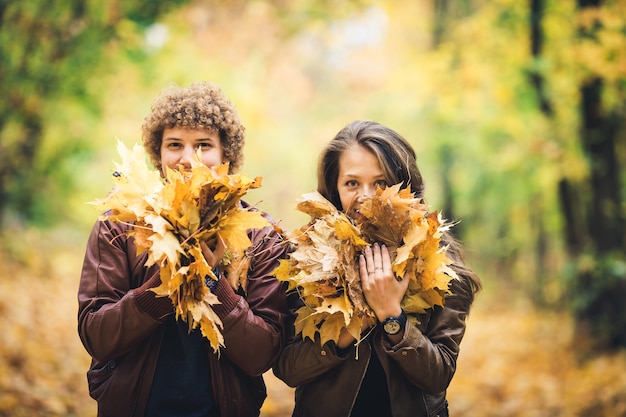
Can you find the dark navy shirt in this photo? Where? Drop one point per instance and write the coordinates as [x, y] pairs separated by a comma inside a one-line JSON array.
[[373, 398], [182, 381]]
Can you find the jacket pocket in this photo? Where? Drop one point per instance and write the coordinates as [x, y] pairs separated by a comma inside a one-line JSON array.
[[98, 377]]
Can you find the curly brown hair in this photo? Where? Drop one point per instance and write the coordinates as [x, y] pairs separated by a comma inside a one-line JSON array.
[[202, 105]]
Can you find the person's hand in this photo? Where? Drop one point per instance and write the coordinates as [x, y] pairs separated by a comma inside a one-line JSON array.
[[215, 255], [382, 291]]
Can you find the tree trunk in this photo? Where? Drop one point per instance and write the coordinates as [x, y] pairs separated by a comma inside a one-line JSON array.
[[600, 282], [536, 47], [599, 138], [571, 206]]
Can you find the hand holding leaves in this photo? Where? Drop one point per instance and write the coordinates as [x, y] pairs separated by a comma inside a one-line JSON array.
[[174, 218], [324, 268]]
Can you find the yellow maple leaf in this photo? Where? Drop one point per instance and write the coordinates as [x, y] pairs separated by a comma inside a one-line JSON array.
[[283, 273], [412, 234], [323, 268], [172, 216], [304, 323], [164, 248], [237, 267], [323, 265], [315, 205], [233, 228], [135, 186]]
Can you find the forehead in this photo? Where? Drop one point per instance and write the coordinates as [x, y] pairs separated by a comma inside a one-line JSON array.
[[186, 133], [358, 160]]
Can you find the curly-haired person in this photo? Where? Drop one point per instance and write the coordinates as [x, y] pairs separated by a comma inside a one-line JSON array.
[[145, 362]]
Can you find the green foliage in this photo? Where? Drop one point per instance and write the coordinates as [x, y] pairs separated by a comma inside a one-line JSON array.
[[51, 52], [455, 81], [75, 76]]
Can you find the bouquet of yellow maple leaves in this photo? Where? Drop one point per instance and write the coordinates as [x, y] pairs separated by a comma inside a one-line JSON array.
[[171, 216], [324, 270]]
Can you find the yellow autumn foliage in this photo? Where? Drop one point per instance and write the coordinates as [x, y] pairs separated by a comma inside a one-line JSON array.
[[323, 270], [323, 266], [395, 218], [170, 218]]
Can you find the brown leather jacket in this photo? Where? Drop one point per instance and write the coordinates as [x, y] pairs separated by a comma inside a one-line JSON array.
[[419, 368], [120, 324]]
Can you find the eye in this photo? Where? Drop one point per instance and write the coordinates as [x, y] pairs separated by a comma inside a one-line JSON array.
[[204, 145], [173, 145], [352, 183], [381, 183]]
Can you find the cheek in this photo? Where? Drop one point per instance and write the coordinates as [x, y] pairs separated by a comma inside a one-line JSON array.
[[213, 158], [347, 199], [167, 159], [163, 157]]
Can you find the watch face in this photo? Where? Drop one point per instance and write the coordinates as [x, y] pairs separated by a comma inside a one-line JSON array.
[[392, 327]]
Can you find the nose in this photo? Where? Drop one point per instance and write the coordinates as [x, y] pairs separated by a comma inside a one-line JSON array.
[[186, 155], [364, 192], [367, 191]]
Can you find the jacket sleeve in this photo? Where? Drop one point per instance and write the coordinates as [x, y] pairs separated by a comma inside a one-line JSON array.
[[116, 310], [254, 322], [428, 358]]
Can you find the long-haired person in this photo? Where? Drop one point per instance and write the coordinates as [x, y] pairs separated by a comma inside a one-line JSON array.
[[401, 369]]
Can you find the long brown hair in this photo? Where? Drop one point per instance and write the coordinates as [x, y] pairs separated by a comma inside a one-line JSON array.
[[398, 162], [394, 153]]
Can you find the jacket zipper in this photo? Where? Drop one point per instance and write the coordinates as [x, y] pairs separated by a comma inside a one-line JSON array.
[[356, 394]]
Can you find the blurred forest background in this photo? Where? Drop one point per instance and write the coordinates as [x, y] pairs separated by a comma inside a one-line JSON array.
[[517, 110]]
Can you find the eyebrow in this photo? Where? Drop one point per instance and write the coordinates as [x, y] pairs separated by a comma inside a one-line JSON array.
[[205, 139], [350, 175]]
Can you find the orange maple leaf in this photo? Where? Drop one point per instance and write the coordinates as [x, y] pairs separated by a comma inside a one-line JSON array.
[[324, 270], [394, 217], [172, 216]]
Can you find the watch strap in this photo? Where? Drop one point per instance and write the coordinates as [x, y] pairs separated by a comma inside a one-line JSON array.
[[389, 322]]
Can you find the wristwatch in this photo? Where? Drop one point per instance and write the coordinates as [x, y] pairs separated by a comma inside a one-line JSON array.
[[393, 325]]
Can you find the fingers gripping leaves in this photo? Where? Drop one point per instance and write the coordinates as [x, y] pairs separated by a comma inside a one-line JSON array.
[[170, 218], [413, 236], [324, 270]]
